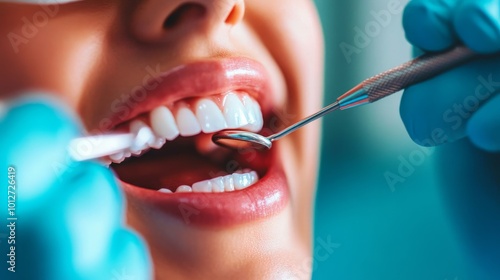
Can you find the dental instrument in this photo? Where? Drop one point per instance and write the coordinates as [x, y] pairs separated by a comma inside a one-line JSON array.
[[92, 147], [370, 90]]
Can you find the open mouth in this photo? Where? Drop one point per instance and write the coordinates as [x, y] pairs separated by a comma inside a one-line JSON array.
[[175, 166], [177, 137]]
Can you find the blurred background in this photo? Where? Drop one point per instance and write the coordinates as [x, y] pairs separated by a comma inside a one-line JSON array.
[[378, 200]]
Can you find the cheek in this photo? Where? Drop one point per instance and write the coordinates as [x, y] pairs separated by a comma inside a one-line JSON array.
[[53, 54], [293, 35]]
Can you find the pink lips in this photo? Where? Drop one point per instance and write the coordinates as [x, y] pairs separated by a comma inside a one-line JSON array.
[[265, 198], [199, 79]]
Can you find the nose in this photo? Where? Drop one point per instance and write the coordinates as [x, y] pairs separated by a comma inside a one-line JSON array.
[[168, 19]]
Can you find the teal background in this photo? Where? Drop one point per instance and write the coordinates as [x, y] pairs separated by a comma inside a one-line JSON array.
[[381, 232]]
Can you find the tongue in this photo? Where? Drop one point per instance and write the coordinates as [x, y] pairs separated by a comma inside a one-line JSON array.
[[185, 162], [155, 172]]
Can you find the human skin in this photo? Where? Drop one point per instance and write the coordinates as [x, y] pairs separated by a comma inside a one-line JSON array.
[[91, 52]]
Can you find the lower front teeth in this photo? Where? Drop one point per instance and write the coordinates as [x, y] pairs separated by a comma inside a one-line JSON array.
[[228, 183], [184, 189]]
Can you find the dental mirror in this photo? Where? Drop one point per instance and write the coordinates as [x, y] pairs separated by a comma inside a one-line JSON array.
[[239, 139]]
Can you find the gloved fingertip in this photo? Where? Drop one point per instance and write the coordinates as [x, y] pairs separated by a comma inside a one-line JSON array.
[[427, 123], [38, 98], [483, 128], [418, 135], [477, 25], [38, 110], [39, 129], [412, 118], [96, 183], [130, 255], [91, 173], [428, 25]]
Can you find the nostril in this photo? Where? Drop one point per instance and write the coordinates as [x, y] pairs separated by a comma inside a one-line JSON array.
[[236, 14], [184, 13]]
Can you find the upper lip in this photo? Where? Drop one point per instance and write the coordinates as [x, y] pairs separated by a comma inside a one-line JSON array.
[[199, 79]]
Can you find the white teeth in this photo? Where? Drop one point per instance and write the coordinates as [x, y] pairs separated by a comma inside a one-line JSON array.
[[241, 181], [120, 157], [105, 162], [117, 157], [254, 114], [158, 143], [163, 123], [258, 113], [209, 116], [187, 122], [218, 185], [165, 191], [184, 188], [237, 111], [144, 139], [251, 116], [144, 136], [203, 186], [234, 112], [228, 183]]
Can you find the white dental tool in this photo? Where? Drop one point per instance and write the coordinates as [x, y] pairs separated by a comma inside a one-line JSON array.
[[92, 147]]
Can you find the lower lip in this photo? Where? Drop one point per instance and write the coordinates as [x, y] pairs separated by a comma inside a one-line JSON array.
[[265, 198]]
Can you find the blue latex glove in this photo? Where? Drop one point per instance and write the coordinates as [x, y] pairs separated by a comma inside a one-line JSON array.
[[70, 216], [464, 101], [461, 103]]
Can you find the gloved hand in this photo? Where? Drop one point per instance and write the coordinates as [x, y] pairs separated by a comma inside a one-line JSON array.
[[70, 215], [464, 101]]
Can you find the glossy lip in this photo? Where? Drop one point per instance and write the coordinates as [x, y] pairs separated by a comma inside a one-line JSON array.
[[265, 198], [200, 79]]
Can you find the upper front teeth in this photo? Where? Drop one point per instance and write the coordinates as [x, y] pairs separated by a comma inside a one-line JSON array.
[[209, 116], [187, 122], [144, 139], [163, 123], [204, 115], [234, 112]]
